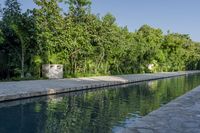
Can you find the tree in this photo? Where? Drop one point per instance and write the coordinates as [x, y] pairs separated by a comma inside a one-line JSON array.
[[149, 41], [17, 28], [86, 43], [76, 29], [78, 8], [11, 17], [175, 46], [49, 28]]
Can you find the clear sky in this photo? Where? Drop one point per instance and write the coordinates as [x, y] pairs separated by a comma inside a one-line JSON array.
[[182, 16]]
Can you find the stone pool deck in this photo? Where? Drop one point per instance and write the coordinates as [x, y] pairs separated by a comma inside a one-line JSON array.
[[26, 89], [181, 115]]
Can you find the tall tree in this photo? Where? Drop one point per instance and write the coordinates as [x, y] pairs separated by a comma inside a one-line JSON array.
[[11, 17], [49, 28], [174, 47], [149, 41], [18, 30]]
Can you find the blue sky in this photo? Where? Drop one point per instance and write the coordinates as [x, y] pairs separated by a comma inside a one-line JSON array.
[[175, 15]]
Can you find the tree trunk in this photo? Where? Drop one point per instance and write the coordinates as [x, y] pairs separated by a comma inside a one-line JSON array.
[[22, 67], [22, 59]]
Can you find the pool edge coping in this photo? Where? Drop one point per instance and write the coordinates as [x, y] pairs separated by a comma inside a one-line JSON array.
[[60, 90]]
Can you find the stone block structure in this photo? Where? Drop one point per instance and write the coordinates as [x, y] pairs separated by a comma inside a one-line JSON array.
[[52, 71]]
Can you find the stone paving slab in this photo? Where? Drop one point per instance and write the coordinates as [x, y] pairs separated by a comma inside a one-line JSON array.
[[181, 115], [26, 89]]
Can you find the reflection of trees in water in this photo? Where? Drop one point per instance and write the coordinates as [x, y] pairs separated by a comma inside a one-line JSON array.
[[96, 111]]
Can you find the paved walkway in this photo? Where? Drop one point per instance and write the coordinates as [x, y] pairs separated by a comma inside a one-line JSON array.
[[26, 89], [179, 116]]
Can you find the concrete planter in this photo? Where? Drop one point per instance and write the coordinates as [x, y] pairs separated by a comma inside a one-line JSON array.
[[52, 71]]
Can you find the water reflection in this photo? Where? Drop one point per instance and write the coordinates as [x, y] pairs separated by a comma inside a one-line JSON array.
[[99, 111]]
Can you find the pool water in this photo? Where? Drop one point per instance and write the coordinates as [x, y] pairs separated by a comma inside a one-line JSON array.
[[96, 111]]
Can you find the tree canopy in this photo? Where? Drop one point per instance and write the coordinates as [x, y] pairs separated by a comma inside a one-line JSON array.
[[85, 43]]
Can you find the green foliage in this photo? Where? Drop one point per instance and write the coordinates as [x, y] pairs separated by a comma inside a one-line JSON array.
[[18, 34], [1, 38], [37, 60], [86, 44]]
